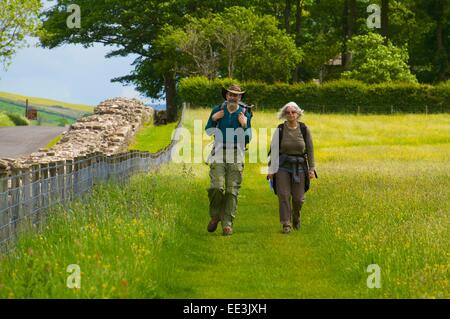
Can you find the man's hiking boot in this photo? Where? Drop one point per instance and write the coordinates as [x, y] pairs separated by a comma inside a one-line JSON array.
[[227, 231], [286, 229], [212, 226]]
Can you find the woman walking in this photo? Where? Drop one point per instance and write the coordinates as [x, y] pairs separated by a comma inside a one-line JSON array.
[[292, 165]]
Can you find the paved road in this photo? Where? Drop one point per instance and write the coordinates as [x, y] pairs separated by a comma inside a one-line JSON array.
[[23, 140]]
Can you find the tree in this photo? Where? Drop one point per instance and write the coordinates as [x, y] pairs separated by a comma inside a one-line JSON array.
[[196, 42], [374, 62], [233, 37], [252, 48], [349, 21], [272, 54], [385, 20], [18, 19]]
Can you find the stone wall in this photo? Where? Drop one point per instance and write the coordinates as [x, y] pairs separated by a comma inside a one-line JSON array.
[[109, 131]]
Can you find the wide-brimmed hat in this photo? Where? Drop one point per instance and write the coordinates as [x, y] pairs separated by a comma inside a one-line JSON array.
[[236, 89]]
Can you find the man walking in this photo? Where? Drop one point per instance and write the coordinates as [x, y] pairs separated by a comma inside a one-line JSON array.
[[231, 125]]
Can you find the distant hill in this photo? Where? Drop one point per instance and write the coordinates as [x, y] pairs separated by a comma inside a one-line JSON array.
[[45, 102], [50, 112]]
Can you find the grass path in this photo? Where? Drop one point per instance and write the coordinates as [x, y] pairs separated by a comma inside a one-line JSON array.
[[257, 261]]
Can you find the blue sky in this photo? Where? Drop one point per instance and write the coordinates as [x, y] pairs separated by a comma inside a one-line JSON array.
[[68, 73]]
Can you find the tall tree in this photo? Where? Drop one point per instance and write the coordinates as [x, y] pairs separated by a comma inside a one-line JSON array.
[[241, 48], [298, 20], [431, 50], [287, 16], [18, 19], [440, 14], [385, 20], [349, 21]]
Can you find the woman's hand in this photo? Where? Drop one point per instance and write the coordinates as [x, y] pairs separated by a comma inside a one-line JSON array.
[[269, 176], [311, 174]]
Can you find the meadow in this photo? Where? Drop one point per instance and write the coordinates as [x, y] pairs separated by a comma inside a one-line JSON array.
[[381, 198]]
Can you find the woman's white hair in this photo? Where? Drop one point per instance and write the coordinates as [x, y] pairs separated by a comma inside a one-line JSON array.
[[282, 112]]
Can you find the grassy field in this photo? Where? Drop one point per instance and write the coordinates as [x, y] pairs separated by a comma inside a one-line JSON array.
[[381, 198], [152, 138], [46, 102]]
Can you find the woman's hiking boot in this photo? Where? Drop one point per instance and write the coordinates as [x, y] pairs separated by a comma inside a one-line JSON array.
[[296, 223], [227, 231], [286, 229]]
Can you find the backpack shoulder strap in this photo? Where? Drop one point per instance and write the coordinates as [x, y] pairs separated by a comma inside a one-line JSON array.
[[221, 107], [304, 132], [280, 136]]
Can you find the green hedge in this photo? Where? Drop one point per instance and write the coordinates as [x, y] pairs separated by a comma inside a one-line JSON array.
[[341, 96]]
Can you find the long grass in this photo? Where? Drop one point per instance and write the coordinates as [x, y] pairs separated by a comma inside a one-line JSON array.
[[381, 198], [5, 120]]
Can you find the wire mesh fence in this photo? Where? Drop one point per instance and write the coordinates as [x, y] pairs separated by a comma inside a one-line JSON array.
[[27, 193]]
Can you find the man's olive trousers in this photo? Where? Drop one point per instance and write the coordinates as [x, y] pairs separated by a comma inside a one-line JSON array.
[[226, 179]]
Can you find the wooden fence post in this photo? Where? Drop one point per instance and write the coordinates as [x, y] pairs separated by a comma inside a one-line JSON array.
[[60, 165], [53, 184], [35, 192], [45, 200], [114, 166], [81, 175], [26, 207], [76, 176], [107, 167], [120, 161], [14, 199], [95, 167], [69, 180], [90, 162], [5, 218], [130, 165]]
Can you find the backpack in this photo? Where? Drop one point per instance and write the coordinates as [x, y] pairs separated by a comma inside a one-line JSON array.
[[304, 132]]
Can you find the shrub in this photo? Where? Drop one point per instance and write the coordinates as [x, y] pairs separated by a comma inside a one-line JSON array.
[[18, 120], [335, 96]]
